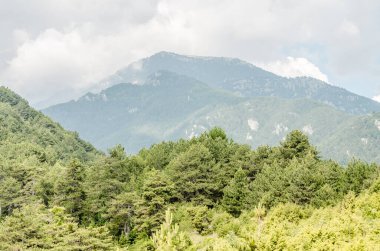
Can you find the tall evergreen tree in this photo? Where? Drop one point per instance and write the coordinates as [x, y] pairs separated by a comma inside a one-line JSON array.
[[70, 191], [236, 194], [157, 192], [122, 212], [194, 174], [297, 145]]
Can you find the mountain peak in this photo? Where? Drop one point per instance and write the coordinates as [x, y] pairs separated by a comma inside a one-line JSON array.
[[165, 54], [240, 78], [187, 58], [169, 78]]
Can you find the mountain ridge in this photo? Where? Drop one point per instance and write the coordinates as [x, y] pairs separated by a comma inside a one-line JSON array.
[[172, 106], [137, 105], [243, 79]]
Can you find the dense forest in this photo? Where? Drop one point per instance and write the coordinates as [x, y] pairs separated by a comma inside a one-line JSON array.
[[58, 192]]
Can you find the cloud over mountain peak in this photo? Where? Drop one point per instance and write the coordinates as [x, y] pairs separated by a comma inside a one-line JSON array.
[[295, 67]]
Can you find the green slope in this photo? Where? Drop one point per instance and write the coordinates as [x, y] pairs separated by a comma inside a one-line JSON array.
[[358, 137], [25, 132], [169, 106], [259, 121], [137, 115]]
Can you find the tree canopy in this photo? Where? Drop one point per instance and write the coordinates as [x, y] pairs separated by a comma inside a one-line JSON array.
[[206, 193]]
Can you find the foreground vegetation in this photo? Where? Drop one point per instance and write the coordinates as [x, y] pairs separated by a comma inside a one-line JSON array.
[[207, 193]]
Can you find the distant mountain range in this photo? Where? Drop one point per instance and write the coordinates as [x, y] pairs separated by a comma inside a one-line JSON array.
[[243, 79], [169, 96]]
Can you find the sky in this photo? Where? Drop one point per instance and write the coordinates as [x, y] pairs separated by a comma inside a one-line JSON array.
[[52, 51]]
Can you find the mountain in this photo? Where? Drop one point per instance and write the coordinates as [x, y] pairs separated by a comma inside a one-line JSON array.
[[267, 120], [138, 115], [169, 106], [244, 79], [25, 132]]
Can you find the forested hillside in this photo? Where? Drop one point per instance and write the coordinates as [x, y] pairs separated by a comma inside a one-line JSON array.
[[169, 96], [170, 106], [205, 193], [25, 132]]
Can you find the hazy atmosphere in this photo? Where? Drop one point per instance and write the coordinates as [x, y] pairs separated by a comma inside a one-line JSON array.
[[53, 51], [206, 125]]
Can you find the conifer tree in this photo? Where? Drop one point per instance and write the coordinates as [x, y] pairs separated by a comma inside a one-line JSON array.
[[297, 145], [194, 174], [157, 192], [70, 191], [169, 237], [236, 194]]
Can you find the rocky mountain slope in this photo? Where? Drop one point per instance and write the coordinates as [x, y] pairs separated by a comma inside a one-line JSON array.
[[167, 106]]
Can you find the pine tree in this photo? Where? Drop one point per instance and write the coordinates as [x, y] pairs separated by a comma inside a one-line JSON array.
[[121, 213], [33, 227], [297, 145], [195, 175], [157, 192], [168, 237], [236, 194], [70, 191]]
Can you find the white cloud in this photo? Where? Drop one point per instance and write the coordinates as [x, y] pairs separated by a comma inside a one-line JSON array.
[[59, 65], [349, 28], [294, 67], [55, 50], [376, 98]]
